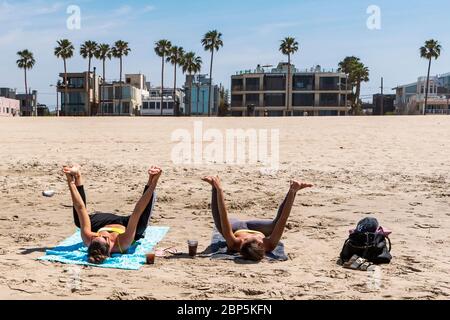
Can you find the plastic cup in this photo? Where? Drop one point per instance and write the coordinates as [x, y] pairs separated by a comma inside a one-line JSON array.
[[193, 246]]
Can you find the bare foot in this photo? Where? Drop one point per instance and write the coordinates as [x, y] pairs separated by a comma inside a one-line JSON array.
[[209, 179], [297, 185], [74, 170]]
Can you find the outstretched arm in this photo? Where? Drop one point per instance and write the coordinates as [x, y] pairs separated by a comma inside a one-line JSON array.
[[128, 237], [78, 203], [232, 242], [277, 233]]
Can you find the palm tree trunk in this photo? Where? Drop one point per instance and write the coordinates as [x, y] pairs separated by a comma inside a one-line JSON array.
[[102, 87], [427, 88], [162, 85], [121, 88], [190, 94], [288, 86], [65, 86], [210, 82], [175, 105], [89, 87], [198, 96], [26, 84], [357, 94]]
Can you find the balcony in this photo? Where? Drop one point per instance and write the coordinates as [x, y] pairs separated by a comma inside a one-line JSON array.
[[252, 87], [70, 85], [237, 88]]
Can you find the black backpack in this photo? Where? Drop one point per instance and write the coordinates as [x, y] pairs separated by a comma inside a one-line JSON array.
[[366, 242]]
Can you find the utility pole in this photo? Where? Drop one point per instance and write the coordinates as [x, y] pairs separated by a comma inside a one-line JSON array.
[[382, 96], [94, 93]]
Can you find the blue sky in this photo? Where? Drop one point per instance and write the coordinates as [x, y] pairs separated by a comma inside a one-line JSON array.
[[327, 31]]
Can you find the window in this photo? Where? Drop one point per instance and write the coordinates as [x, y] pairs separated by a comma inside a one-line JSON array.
[[275, 113], [169, 105], [303, 83], [126, 107], [275, 99], [329, 83], [237, 84], [252, 84], [252, 99], [303, 99], [275, 83], [237, 100], [329, 99], [117, 93], [145, 105], [152, 106], [327, 113], [76, 83], [74, 98], [108, 93]]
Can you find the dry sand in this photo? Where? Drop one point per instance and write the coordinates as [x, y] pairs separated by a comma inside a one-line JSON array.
[[394, 168]]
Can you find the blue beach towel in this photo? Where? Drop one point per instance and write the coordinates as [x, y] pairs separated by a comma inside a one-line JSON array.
[[73, 251], [219, 250]]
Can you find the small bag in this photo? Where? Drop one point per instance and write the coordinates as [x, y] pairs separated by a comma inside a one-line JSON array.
[[369, 241]]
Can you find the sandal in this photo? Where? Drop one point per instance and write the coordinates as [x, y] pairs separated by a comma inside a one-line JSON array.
[[358, 263]]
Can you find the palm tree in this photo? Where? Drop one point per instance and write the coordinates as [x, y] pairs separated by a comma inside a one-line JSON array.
[[431, 49], [162, 49], [288, 47], [360, 74], [26, 62], [175, 57], [356, 73], [120, 50], [87, 51], [64, 50], [102, 53], [192, 65], [212, 41]]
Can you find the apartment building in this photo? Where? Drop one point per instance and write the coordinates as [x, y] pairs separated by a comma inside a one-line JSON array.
[[151, 102], [197, 98], [82, 97], [383, 104], [9, 107], [314, 92], [28, 103], [8, 93], [410, 98], [123, 99]]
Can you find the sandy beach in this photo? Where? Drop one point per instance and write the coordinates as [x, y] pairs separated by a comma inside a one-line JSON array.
[[396, 169]]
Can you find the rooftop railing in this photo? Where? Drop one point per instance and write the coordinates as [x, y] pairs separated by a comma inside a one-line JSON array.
[[283, 71]]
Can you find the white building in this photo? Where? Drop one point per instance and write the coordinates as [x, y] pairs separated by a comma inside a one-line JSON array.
[[410, 98], [123, 99], [9, 107], [151, 102]]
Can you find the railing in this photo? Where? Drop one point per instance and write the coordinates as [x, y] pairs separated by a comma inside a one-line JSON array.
[[252, 88], [275, 71], [438, 111]]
